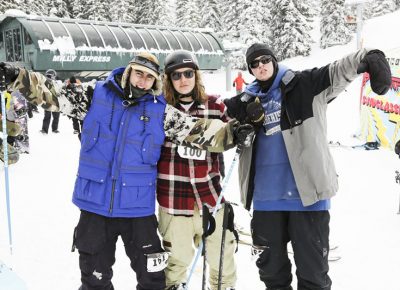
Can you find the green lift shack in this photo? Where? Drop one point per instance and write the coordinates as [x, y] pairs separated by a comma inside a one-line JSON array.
[[91, 49]]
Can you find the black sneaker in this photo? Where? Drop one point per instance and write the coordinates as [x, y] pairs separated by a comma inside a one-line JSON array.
[[43, 131], [56, 131]]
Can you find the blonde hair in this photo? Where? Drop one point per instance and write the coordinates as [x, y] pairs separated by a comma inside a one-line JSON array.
[[199, 93]]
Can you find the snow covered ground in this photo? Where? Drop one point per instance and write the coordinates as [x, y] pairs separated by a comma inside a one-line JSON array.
[[364, 219]]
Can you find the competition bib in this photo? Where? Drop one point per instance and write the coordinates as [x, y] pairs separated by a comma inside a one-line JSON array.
[[191, 153], [157, 262]]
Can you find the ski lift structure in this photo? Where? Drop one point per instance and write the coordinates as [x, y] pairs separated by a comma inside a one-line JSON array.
[[91, 49], [358, 19]]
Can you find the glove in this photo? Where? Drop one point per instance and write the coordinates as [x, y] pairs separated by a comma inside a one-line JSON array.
[[378, 68], [397, 148], [9, 71], [243, 135], [255, 113]]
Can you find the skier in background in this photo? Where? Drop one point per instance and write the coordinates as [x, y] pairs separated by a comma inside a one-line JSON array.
[[288, 174], [238, 83], [51, 74]]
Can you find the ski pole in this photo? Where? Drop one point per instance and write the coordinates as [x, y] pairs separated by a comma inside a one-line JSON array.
[[208, 222], [227, 209], [397, 178], [5, 149], [224, 186]]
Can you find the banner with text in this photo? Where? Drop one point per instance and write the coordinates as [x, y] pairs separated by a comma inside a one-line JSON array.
[[380, 115]]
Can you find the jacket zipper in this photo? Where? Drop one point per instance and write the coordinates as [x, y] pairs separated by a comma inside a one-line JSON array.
[[112, 196]]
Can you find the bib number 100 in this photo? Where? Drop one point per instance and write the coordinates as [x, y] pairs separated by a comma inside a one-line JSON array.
[[191, 153]]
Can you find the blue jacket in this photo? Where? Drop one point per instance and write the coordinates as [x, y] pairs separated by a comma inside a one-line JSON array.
[[120, 149]]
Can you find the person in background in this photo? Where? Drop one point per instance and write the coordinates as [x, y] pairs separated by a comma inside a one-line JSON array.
[[288, 174], [238, 83], [74, 92], [189, 177], [51, 74], [124, 129]]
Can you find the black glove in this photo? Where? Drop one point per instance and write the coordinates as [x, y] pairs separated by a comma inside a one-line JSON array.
[[397, 148], [255, 113], [9, 71], [243, 135], [378, 68]]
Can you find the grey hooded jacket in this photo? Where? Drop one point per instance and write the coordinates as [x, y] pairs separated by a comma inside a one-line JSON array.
[[305, 96]]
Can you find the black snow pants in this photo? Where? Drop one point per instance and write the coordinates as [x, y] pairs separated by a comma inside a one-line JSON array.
[[308, 231], [47, 118], [95, 237]]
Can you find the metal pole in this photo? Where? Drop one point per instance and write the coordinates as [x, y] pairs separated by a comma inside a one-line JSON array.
[[397, 178], [228, 74], [360, 7], [5, 150]]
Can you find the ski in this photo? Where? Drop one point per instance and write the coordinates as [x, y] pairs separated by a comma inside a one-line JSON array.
[[367, 146]]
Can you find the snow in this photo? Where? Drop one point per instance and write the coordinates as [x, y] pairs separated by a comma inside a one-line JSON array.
[[364, 219]]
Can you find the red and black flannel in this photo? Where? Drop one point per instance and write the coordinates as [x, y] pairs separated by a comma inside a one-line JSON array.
[[183, 182]]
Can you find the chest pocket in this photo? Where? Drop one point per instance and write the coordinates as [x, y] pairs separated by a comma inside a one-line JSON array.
[[90, 136], [151, 150]]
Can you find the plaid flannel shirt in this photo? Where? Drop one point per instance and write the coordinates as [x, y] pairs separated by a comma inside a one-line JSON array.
[[184, 182]]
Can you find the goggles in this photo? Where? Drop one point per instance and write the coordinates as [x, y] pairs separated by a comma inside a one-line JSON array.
[[146, 63]]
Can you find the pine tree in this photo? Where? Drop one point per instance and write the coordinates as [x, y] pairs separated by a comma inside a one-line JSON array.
[[118, 12], [58, 9], [133, 11], [153, 11], [7, 4], [251, 20], [231, 13], [290, 36], [333, 28], [211, 15], [305, 8], [382, 7], [92, 10], [187, 13]]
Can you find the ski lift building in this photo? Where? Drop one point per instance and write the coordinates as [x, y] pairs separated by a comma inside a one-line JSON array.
[[91, 49]]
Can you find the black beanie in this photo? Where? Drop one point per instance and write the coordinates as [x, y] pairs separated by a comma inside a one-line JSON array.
[[256, 50]]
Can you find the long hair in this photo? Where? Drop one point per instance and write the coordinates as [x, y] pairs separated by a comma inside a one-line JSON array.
[[199, 93]]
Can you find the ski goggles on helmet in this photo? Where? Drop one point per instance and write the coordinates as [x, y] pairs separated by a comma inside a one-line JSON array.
[[146, 63], [263, 59], [178, 75]]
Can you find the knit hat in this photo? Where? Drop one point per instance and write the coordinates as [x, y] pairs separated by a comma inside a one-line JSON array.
[[256, 50], [145, 62]]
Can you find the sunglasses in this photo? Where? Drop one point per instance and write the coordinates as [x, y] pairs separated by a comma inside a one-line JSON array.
[[264, 60], [178, 75]]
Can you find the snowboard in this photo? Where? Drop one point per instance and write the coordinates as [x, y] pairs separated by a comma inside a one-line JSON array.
[[9, 279], [21, 109]]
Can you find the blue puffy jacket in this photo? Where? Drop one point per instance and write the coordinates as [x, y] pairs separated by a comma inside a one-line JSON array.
[[120, 149]]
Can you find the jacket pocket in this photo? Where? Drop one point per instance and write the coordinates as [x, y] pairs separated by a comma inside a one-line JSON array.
[[91, 185], [137, 190], [150, 150], [90, 136]]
